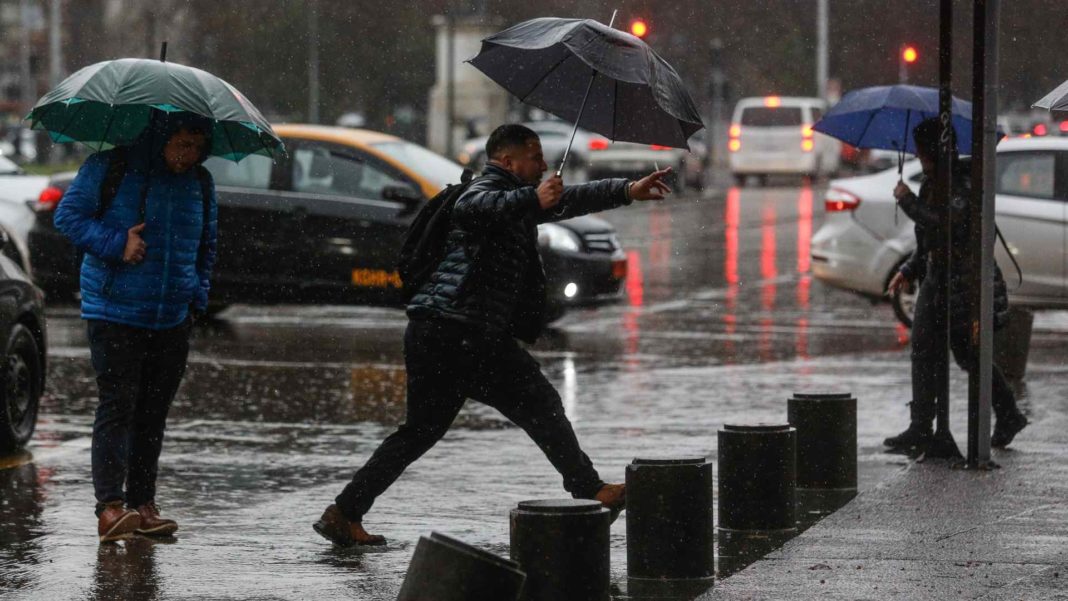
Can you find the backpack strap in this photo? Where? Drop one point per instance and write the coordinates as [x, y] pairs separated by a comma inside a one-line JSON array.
[[113, 177]]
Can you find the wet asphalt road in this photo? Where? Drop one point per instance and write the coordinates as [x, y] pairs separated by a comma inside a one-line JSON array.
[[720, 323]]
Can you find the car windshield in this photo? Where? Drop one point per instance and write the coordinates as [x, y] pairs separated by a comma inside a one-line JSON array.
[[762, 116], [7, 167], [437, 169]]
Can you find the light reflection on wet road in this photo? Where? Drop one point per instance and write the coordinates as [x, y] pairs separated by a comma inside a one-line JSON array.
[[720, 322]]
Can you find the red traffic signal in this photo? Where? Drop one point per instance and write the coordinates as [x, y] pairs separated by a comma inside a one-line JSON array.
[[639, 28], [909, 54]]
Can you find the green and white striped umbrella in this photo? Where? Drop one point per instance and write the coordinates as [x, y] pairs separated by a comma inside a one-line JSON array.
[[110, 103]]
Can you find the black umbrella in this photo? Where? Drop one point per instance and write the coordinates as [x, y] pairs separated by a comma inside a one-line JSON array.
[[605, 80], [1056, 101]]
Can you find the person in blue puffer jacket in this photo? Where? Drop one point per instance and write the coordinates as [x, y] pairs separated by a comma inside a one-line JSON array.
[[146, 272]]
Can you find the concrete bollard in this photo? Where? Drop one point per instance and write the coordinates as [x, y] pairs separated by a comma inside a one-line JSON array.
[[670, 527], [757, 492], [445, 569], [826, 425], [562, 545]]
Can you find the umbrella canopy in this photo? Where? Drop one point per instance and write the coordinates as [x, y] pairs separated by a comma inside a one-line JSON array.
[[110, 103], [1056, 102], [635, 95], [884, 117]]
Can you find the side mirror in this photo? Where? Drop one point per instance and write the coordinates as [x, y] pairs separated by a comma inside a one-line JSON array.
[[405, 193]]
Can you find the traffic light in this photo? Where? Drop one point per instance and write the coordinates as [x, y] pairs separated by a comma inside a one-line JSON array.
[[908, 58], [909, 54], [639, 28]]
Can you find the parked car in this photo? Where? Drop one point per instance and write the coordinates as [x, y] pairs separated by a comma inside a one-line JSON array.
[[554, 136], [631, 160], [864, 238], [16, 219], [326, 223], [773, 135], [22, 373]]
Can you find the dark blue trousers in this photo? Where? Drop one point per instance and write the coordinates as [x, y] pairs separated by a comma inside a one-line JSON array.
[[137, 372]]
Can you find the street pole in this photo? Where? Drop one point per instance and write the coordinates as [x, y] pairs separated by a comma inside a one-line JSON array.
[[943, 444], [822, 52], [450, 83], [26, 81], [55, 49], [981, 228], [902, 66], [718, 81], [313, 61]]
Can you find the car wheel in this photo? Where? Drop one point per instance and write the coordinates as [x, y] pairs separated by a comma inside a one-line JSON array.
[[20, 390], [904, 303]]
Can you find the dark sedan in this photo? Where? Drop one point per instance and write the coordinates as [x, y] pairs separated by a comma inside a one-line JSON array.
[[22, 373], [325, 224]]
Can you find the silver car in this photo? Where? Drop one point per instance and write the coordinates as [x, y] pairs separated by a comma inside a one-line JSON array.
[[865, 238]]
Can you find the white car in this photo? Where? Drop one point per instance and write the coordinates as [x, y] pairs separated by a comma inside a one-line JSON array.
[[865, 238], [17, 192], [773, 135]]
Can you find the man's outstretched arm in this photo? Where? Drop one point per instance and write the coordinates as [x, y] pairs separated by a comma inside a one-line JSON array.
[[606, 194]]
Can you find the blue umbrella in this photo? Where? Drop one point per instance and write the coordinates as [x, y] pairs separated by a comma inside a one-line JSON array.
[[884, 116]]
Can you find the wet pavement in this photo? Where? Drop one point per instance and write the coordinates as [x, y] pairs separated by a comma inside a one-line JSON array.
[[720, 323]]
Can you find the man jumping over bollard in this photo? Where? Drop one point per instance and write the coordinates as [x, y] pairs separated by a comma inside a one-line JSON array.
[[463, 321]]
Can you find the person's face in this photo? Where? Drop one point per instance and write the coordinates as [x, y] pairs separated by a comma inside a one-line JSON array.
[[525, 162], [927, 162], [183, 150]]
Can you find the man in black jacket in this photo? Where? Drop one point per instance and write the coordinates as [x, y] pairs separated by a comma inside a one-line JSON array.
[[928, 355], [460, 343]]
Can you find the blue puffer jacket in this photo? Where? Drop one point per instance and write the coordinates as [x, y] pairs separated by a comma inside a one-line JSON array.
[[158, 292]]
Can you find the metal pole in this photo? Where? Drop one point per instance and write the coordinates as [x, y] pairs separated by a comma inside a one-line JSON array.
[[719, 84], [450, 82], [26, 81], [55, 49], [943, 444], [822, 52], [902, 66], [313, 61], [981, 230], [582, 107]]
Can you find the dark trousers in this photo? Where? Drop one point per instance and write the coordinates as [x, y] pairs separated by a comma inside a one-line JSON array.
[[448, 362], [137, 372], [929, 355]]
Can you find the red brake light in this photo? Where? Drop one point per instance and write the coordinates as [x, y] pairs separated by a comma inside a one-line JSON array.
[[49, 198], [806, 131], [659, 147], [840, 200], [598, 144], [1040, 129], [736, 131], [1064, 127], [734, 145], [772, 102]]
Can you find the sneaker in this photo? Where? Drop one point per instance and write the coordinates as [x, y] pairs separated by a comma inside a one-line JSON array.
[[1007, 429], [152, 524], [914, 436], [335, 527], [115, 522], [613, 497]]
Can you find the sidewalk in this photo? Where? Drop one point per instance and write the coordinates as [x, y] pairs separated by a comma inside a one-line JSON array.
[[932, 532]]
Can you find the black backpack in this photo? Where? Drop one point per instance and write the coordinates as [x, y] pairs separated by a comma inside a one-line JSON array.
[[116, 172], [424, 243]]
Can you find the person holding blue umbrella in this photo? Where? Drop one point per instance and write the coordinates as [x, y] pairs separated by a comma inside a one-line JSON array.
[[928, 213]]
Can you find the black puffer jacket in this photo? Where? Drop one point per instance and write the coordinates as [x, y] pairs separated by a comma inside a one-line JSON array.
[[492, 274]]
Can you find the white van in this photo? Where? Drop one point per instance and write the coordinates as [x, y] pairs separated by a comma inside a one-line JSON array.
[[773, 135]]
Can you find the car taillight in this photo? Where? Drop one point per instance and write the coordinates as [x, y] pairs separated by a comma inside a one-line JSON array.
[[734, 145], [48, 199], [840, 200], [1064, 127], [1040, 129], [807, 143], [735, 133], [598, 144], [659, 147]]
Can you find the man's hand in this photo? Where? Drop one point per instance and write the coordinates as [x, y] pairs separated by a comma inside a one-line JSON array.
[[651, 187], [898, 282], [901, 191], [549, 192], [135, 245]]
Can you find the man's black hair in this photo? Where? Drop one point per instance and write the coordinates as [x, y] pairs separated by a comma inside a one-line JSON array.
[[507, 136], [927, 134]]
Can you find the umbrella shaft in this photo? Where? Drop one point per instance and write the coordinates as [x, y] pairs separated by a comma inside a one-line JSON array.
[[574, 130]]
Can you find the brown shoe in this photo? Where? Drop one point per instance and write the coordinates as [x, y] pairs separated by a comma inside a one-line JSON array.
[[613, 497], [116, 522], [335, 527], [152, 524]]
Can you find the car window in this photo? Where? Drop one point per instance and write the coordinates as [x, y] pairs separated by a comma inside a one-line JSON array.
[[254, 171], [429, 165], [7, 167], [1026, 174], [317, 170], [817, 114], [763, 116]]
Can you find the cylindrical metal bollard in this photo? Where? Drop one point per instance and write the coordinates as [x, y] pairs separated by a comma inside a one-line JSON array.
[[670, 526], [757, 477], [445, 569], [562, 545], [826, 425]]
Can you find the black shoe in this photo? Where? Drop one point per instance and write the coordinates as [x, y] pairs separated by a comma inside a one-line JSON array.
[[1007, 429], [914, 436]]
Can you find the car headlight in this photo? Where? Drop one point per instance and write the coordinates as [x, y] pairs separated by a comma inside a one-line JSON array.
[[558, 238]]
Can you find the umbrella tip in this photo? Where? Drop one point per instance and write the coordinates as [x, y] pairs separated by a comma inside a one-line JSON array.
[[163, 53]]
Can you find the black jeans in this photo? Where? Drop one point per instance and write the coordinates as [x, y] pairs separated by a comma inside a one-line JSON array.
[[137, 372], [447, 363], [929, 357]]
